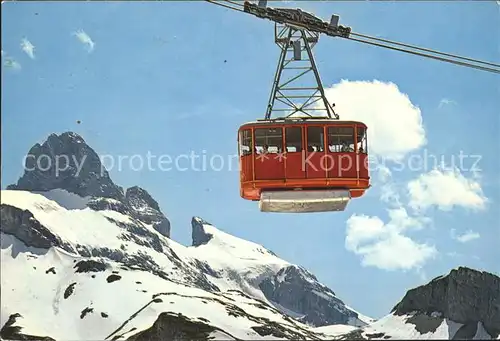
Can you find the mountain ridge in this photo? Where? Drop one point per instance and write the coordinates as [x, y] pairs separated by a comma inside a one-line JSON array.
[[65, 161], [87, 243]]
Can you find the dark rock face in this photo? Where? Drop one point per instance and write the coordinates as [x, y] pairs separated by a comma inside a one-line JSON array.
[[89, 266], [12, 332], [139, 198], [147, 210], [425, 323], [298, 290], [293, 288], [171, 326], [102, 204], [65, 161], [464, 296], [199, 236], [23, 225]]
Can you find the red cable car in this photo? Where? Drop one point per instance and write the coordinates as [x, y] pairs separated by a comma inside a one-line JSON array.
[[301, 164], [312, 165]]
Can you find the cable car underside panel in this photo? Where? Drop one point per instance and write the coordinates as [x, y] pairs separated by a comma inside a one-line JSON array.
[[304, 201]]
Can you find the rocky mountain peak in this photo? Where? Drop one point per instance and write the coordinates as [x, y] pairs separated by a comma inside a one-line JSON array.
[[139, 198], [199, 235], [66, 162], [296, 289], [68, 136], [146, 209], [465, 296]]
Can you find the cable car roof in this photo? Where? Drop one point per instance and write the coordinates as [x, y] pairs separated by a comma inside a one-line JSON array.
[[301, 121]]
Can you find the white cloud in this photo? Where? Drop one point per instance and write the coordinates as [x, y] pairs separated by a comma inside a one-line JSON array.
[[401, 221], [445, 189], [384, 245], [395, 125], [10, 62], [395, 129], [85, 39], [383, 173], [28, 48], [388, 245], [446, 101], [422, 274], [389, 194], [465, 237], [390, 191]]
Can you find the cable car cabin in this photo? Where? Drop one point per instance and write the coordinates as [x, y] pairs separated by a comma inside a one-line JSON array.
[[313, 165]]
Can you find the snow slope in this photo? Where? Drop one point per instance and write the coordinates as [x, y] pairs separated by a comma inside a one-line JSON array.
[[75, 297], [240, 263], [84, 259], [102, 233], [417, 326], [251, 268], [52, 296], [70, 272]]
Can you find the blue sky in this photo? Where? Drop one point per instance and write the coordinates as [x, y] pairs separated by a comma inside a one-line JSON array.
[[154, 80]]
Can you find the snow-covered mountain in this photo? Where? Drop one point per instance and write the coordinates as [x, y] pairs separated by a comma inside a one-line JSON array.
[[463, 305], [99, 268], [82, 259]]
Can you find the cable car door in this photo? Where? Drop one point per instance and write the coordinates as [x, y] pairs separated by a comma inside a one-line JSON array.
[[315, 152], [269, 162], [294, 168]]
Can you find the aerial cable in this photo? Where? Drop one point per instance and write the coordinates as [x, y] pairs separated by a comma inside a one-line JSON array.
[[430, 56], [424, 49], [483, 68], [235, 3], [227, 6]]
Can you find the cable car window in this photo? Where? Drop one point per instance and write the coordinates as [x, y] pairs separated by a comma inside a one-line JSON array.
[[293, 139], [362, 140], [245, 142], [268, 140], [315, 139], [341, 139]]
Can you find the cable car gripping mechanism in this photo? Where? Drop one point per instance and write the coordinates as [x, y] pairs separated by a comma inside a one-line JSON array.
[[294, 91], [298, 18]]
